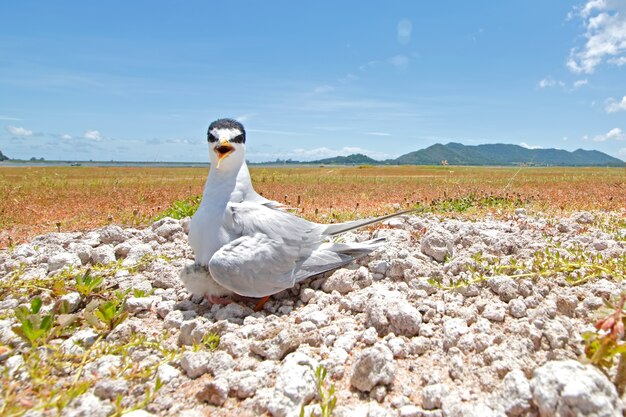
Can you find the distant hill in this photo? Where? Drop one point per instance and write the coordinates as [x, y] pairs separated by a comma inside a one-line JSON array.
[[3, 157], [491, 154], [357, 158]]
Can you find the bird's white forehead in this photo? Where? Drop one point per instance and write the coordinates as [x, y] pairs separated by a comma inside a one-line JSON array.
[[228, 134]]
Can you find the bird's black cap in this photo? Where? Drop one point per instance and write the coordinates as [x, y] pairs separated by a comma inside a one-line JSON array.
[[227, 124]]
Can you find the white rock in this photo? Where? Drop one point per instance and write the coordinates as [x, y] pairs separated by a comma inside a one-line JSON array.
[[136, 253], [163, 308], [494, 312], [515, 396], [166, 230], [63, 260], [391, 312], [195, 363], [432, 396], [220, 363], [137, 304], [167, 373], [214, 392], [88, 405], [112, 234], [438, 245], [79, 341], [342, 281], [109, 389], [569, 388], [103, 255], [517, 308], [72, 300], [372, 366], [453, 329], [295, 385], [505, 287], [233, 311]]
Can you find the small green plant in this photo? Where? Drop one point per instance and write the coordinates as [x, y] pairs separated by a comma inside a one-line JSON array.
[[107, 314], [87, 284], [35, 328], [139, 292], [210, 340], [326, 394], [181, 208], [607, 342]]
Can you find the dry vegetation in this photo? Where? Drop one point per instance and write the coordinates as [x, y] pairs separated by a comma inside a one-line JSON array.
[[37, 200]]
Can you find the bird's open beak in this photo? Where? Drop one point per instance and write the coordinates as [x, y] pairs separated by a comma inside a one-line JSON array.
[[223, 149]]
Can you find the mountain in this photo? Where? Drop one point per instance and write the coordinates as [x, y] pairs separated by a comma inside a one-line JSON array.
[[505, 154], [491, 154], [3, 157], [354, 159]]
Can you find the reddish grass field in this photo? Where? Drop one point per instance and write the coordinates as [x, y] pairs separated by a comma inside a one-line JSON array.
[[35, 200]]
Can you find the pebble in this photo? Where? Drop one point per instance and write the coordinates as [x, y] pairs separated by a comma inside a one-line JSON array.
[[372, 366]]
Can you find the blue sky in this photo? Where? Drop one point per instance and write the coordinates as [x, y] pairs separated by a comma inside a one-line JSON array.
[[141, 80]]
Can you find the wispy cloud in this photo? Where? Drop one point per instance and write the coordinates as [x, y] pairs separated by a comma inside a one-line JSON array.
[[403, 31], [10, 119], [324, 152], [93, 135], [613, 134], [580, 83], [399, 61], [19, 132], [550, 82], [378, 134], [66, 137], [323, 89], [527, 146], [605, 24], [245, 117], [613, 106], [277, 132]]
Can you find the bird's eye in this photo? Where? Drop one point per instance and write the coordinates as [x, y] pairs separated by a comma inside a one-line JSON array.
[[238, 139], [212, 138]]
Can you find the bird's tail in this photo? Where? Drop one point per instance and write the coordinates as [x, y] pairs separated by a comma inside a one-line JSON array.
[[356, 249], [335, 229], [335, 255]]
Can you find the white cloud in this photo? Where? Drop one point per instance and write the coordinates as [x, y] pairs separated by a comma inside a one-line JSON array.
[[323, 89], [399, 61], [580, 83], [618, 61], [66, 137], [613, 106], [244, 117], [277, 132], [93, 135], [622, 152], [549, 82], [19, 131], [378, 134], [324, 152], [613, 134], [527, 146], [9, 118], [605, 23], [405, 27], [348, 78]]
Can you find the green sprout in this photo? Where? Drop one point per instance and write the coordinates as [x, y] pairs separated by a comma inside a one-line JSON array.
[[35, 328]]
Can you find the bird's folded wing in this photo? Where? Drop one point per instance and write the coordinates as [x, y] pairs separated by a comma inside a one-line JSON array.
[[270, 246]]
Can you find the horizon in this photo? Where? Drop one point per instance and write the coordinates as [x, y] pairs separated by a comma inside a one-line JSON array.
[[278, 160], [139, 83]]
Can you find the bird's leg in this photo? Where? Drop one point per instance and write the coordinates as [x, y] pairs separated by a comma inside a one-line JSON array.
[[218, 300], [261, 303]]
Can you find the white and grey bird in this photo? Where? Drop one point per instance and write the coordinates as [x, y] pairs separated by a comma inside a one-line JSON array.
[[247, 245]]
